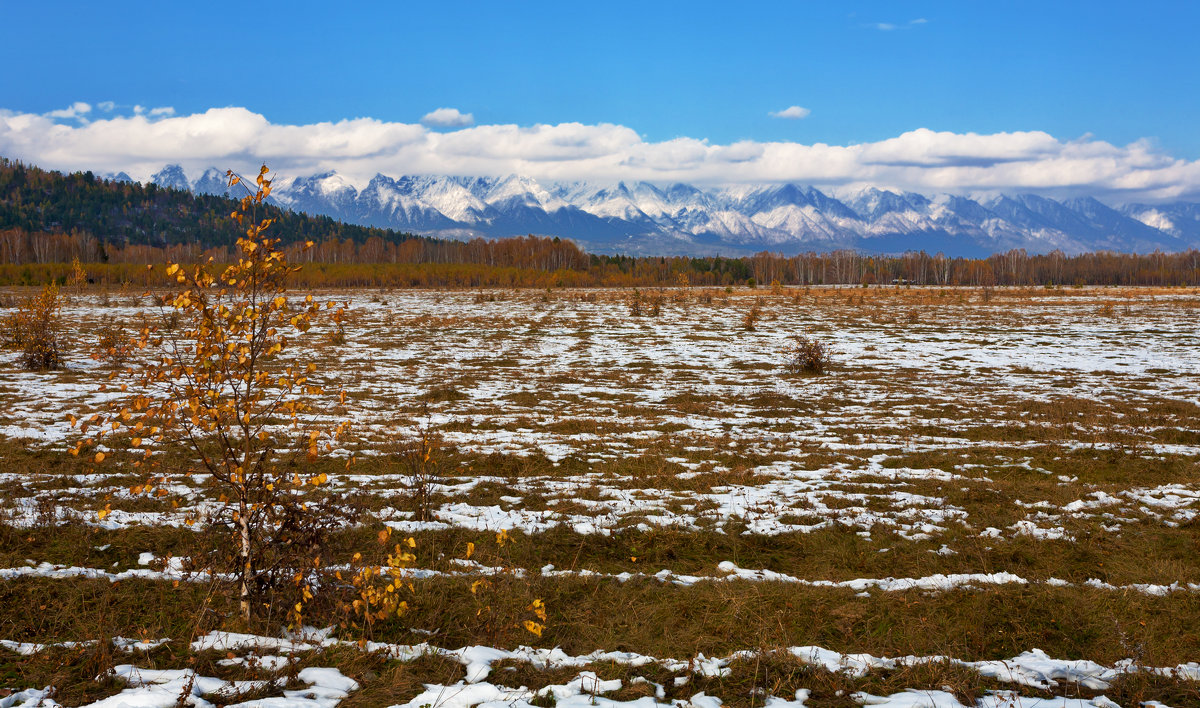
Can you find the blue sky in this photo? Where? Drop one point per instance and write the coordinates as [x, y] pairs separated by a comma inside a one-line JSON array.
[[712, 72]]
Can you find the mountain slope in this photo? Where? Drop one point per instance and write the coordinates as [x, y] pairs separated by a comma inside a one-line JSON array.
[[645, 218]]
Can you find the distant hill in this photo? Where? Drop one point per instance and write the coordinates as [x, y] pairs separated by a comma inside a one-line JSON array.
[[119, 211]]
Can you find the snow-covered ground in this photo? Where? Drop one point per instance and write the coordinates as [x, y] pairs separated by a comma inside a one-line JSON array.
[[564, 411], [577, 384], [326, 687]]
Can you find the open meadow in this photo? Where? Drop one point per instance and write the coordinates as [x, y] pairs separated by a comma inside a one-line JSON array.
[[989, 497]]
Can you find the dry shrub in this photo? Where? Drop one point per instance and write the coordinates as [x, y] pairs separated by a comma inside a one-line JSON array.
[[635, 303], [36, 330], [808, 356], [337, 333], [641, 305], [419, 458], [78, 279], [112, 343], [751, 318], [11, 333]]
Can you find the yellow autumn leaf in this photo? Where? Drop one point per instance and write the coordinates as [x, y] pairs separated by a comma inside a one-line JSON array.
[[99, 457], [533, 627]]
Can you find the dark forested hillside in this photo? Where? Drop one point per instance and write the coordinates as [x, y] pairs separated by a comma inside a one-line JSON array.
[[128, 213]]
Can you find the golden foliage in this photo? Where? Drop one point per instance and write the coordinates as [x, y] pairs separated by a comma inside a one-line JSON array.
[[35, 329], [220, 384], [381, 590], [78, 279]]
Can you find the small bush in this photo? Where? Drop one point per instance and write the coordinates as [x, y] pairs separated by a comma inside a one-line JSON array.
[[11, 331], [36, 330], [808, 356], [419, 459], [751, 318], [642, 305], [112, 343]]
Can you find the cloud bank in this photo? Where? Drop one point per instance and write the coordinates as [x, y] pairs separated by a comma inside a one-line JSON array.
[[920, 160]]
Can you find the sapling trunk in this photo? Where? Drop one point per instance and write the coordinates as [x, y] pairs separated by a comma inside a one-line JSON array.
[[247, 568]]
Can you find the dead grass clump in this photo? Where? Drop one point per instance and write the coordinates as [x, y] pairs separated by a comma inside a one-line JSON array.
[[808, 356], [79, 675], [1141, 687], [393, 682]]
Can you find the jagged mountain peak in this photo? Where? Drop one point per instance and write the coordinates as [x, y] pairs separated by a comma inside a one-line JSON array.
[[172, 177], [873, 203], [213, 181], [639, 216]]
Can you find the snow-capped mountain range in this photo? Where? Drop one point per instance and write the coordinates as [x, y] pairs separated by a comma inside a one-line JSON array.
[[648, 219]]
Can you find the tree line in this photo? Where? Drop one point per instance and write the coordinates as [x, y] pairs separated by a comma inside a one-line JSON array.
[[30, 258]]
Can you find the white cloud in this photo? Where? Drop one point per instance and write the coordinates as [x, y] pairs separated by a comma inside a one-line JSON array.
[[162, 111], [106, 106], [75, 110], [919, 160], [892, 26], [791, 113], [448, 118]]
